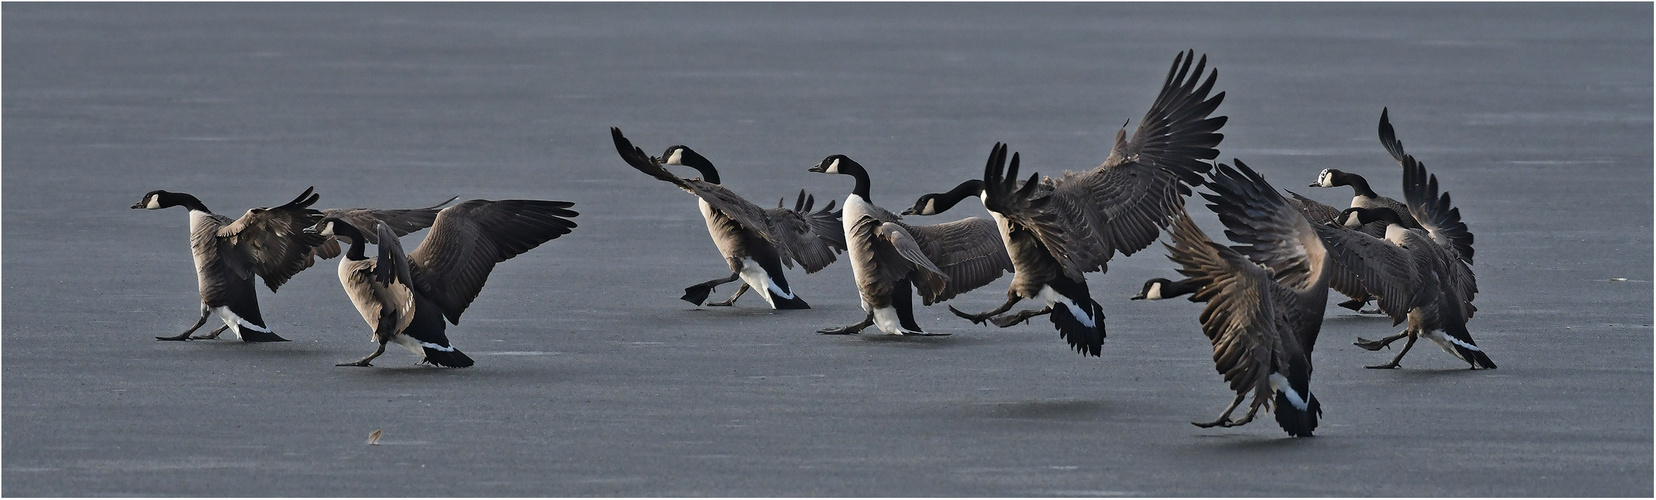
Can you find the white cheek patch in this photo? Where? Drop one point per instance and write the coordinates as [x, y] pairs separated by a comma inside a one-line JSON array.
[[1155, 292], [1325, 179], [154, 202], [833, 168], [931, 207], [327, 230], [677, 158]]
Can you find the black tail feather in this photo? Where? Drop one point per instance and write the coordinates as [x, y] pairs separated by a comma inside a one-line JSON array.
[[780, 302], [251, 335], [1298, 423], [1084, 339], [452, 358]]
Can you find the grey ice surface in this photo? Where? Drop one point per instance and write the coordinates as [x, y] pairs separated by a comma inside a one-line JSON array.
[[592, 378]]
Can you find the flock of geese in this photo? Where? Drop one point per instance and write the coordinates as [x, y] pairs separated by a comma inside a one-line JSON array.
[[1265, 293]]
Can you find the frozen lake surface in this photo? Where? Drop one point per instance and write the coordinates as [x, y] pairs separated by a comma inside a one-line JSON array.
[[592, 378]]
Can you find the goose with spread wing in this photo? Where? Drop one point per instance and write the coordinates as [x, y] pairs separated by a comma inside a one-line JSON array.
[[1265, 297], [891, 259], [757, 243], [405, 298], [1421, 275], [267, 242], [1057, 229]]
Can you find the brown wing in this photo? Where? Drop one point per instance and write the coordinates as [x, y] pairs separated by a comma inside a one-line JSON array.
[[717, 197], [1124, 203], [968, 251], [1241, 318], [1316, 212], [1432, 210], [271, 241], [468, 239], [812, 238], [1384, 269], [1268, 229]]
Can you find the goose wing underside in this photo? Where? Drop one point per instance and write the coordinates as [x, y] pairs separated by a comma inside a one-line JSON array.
[[812, 238], [451, 266], [271, 242]]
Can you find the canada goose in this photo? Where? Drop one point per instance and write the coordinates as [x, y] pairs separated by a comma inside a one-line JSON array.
[[264, 241], [406, 297], [1057, 229], [755, 242], [1265, 297], [889, 257], [1422, 275]]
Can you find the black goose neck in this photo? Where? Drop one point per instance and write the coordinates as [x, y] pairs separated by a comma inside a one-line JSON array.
[[182, 199], [1358, 184], [357, 250], [856, 171], [971, 188], [1181, 287], [690, 158]]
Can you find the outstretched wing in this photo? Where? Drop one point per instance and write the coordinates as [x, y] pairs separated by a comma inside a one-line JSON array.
[[1124, 203], [1432, 210], [717, 197], [969, 252], [1381, 267], [1316, 212], [1269, 230], [468, 239], [812, 238], [271, 241]]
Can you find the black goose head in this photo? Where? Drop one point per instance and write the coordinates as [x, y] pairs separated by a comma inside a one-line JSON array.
[[338, 228], [159, 199], [841, 164], [1163, 288], [681, 155], [1330, 177], [936, 203]]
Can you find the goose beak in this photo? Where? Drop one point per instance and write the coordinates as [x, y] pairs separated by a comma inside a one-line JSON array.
[[1314, 185], [1140, 296], [909, 211], [817, 168], [311, 230], [137, 206]]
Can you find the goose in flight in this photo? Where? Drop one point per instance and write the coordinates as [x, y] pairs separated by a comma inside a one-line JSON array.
[[267, 242], [891, 259], [1056, 229], [405, 298], [756, 243], [1265, 297]]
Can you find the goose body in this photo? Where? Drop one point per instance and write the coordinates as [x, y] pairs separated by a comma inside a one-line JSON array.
[[1057, 229], [1265, 297], [756, 243], [406, 297], [891, 260]]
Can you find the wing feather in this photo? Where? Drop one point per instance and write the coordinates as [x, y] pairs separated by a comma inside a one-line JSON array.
[[271, 242], [451, 266]]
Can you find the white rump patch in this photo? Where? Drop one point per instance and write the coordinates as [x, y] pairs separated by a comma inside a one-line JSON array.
[[886, 319], [236, 323], [1279, 383], [1053, 299], [760, 281], [1448, 343]]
